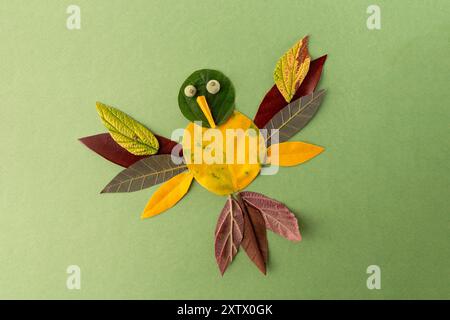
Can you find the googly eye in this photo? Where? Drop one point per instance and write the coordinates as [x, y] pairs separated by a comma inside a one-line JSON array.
[[190, 91], [213, 86]]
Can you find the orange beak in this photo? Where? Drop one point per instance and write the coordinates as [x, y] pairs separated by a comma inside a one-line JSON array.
[[201, 101]]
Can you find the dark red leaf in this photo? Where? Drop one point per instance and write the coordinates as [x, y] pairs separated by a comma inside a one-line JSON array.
[[255, 237], [273, 101], [228, 235], [259, 227], [166, 145], [105, 146]]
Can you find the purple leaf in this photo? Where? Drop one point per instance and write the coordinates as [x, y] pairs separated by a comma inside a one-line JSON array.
[[277, 216], [229, 233]]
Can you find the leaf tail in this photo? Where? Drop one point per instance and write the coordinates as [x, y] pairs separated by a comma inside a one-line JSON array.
[[228, 234], [254, 241], [278, 218]]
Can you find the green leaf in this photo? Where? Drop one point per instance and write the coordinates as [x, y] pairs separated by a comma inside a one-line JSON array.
[[127, 132], [221, 103]]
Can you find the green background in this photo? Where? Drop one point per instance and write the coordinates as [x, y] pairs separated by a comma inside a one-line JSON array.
[[377, 195]]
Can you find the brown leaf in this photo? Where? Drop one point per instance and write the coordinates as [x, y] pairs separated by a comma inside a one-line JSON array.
[[229, 233], [278, 218], [294, 117], [145, 173], [255, 237]]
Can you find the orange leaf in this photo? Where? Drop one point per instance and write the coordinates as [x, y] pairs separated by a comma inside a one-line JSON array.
[[168, 194], [292, 153]]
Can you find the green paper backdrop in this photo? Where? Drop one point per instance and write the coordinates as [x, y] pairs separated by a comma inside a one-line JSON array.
[[378, 195]]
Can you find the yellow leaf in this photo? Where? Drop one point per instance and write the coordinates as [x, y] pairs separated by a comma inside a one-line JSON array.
[[168, 194], [293, 153], [127, 132], [292, 68]]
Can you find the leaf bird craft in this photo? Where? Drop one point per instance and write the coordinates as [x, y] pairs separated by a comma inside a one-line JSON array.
[[223, 150]]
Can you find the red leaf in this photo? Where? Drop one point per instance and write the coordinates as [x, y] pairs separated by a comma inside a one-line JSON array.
[[273, 101], [278, 218], [255, 237], [166, 145], [105, 146], [228, 235]]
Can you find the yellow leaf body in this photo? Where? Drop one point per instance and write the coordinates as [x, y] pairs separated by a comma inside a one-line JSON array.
[[230, 176]]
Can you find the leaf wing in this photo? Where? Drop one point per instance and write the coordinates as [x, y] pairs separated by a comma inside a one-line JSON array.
[[294, 117], [278, 218], [127, 132], [104, 145], [274, 101], [145, 173], [228, 234]]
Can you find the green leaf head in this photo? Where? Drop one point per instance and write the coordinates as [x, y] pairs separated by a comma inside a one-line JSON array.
[[212, 87]]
